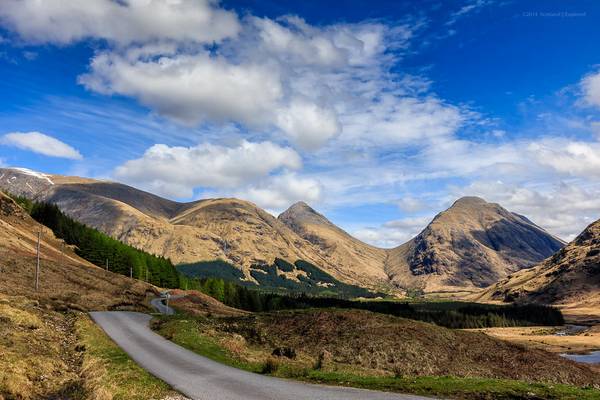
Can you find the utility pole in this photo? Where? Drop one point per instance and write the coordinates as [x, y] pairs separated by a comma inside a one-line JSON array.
[[62, 254], [130, 272], [37, 267], [107, 264]]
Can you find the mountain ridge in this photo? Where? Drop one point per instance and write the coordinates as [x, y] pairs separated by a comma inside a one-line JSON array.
[[472, 243], [242, 233]]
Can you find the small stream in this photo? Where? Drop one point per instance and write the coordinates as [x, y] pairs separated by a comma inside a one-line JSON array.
[[590, 358]]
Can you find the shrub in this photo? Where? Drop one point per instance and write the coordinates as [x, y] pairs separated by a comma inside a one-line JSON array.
[[288, 352], [270, 366]]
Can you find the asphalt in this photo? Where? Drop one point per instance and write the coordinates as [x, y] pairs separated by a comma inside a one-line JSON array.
[[200, 378], [161, 307]]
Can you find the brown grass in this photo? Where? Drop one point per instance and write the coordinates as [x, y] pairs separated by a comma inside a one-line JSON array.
[[35, 360], [373, 344], [197, 303], [545, 338]]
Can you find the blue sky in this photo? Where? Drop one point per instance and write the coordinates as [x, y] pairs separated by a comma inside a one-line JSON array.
[[379, 114]]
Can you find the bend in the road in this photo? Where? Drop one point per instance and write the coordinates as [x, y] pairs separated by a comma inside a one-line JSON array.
[[204, 379]]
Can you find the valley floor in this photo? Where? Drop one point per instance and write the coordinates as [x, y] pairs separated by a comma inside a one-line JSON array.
[[578, 339], [366, 350]]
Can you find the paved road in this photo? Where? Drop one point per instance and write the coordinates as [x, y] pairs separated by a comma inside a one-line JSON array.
[[201, 378], [161, 307]]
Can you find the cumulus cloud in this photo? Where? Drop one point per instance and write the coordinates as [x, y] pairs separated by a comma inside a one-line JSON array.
[[190, 88], [281, 76], [40, 143], [123, 22], [307, 124], [569, 157], [590, 86], [177, 171], [279, 192], [393, 233]]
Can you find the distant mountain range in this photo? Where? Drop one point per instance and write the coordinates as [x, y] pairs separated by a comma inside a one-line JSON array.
[[469, 246]]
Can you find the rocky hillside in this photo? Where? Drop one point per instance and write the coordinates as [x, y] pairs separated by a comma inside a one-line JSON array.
[[570, 278], [472, 244], [351, 257]]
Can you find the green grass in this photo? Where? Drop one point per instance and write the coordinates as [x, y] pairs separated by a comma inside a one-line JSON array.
[[186, 333], [458, 388], [110, 373]]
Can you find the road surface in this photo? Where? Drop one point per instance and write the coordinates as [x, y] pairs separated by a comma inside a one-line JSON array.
[[203, 379], [161, 307]]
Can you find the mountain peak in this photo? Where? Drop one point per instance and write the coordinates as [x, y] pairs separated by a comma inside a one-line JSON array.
[[301, 205], [470, 201], [300, 212], [472, 243]]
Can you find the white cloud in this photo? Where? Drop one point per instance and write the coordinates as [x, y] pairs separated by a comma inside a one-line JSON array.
[[189, 88], [568, 157], [392, 119], [393, 233], [284, 76], [278, 192], [307, 124], [590, 85], [124, 22], [411, 204], [177, 171], [299, 43], [40, 143]]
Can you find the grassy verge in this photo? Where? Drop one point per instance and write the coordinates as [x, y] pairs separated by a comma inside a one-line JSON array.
[[184, 331], [108, 373], [458, 388]]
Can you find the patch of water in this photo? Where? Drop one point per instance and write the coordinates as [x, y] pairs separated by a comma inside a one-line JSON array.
[[590, 358]]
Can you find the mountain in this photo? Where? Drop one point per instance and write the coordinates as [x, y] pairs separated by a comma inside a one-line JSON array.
[[570, 278], [351, 258], [468, 246], [472, 244], [230, 229]]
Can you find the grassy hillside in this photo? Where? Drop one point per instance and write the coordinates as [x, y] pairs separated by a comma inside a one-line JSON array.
[[281, 276], [104, 251], [370, 350]]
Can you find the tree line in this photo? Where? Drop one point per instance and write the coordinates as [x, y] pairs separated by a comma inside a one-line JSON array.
[[456, 315], [104, 251], [100, 249]]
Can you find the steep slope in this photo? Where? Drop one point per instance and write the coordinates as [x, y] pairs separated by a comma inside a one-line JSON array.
[[230, 229], [66, 280], [351, 258], [570, 278], [472, 244]]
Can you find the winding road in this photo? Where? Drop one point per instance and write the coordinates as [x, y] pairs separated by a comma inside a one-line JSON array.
[[201, 378]]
